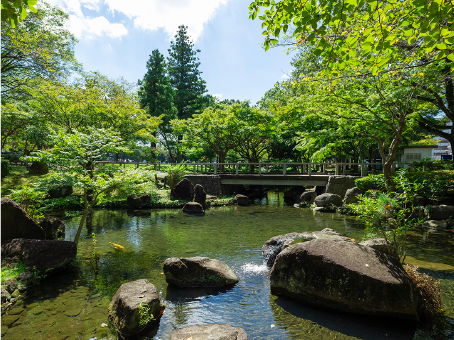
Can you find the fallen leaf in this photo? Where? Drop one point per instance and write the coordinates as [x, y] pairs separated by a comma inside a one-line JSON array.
[[103, 325]]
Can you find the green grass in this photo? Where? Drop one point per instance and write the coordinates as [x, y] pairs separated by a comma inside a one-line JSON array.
[[11, 270], [17, 179]]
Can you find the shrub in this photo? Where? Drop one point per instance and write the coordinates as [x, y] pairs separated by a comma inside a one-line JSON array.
[[5, 168], [175, 173], [429, 307], [371, 182], [432, 165], [434, 184]]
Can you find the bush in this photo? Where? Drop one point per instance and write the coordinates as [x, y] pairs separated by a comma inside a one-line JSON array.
[[434, 184], [432, 165], [429, 292], [175, 173], [5, 168], [371, 182]]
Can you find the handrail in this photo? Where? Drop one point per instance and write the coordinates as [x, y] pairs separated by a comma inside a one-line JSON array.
[[262, 167]]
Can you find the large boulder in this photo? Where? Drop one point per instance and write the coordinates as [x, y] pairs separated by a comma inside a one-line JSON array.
[[198, 272], [43, 254], [183, 190], [440, 212], [209, 332], [38, 168], [345, 276], [276, 244], [16, 223], [135, 306], [242, 200], [339, 184], [61, 191], [200, 196], [193, 208], [351, 195], [327, 200], [137, 202], [307, 197], [53, 227], [435, 224]]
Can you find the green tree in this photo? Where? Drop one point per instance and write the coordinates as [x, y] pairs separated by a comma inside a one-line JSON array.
[[74, 156], [40, 47], [156, 94], [16, 10], [184, 74]]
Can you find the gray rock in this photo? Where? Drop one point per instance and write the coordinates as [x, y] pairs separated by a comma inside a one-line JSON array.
[[440, 212], [435, 224], [5, 295], [323, 209], [198, 272], [209, 332], [38, 168], [307, 197], [200, 196], [53, 227], [327, 200], [351, 195], [276, 244], [183, 190], [60, 192], [242, 200], [16, 223], [10, 285], [130, 301], [381, 245], [25, 280], [137, 202], [340, 184], [193, 208], [43, 254], [345, 276]]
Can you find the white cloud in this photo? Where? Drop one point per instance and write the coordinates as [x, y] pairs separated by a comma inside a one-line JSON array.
[[86, 27], [217, 95], [285, 76], [168, 14]]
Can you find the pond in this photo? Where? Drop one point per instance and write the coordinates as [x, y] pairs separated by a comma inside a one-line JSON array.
[[73, 305]]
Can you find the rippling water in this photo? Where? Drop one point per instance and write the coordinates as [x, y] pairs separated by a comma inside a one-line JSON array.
[[73, 305]]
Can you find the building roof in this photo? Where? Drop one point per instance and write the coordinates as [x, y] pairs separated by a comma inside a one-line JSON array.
[[419, 147]]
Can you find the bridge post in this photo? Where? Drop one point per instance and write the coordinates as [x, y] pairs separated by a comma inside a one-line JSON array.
[[284, 169], [236, 168], [309, 169], [336, 171], [215, 169], [260, 168], [194, 170], [362, 169]]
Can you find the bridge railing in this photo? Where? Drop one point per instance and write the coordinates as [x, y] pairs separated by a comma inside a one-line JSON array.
[[323, 168]]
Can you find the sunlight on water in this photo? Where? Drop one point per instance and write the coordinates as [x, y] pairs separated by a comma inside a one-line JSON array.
[[254, 268]]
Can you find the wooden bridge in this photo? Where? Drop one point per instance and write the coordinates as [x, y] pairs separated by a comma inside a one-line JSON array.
[[288, 174]]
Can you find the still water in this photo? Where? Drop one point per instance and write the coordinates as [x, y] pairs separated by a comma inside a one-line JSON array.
[[73, 305]]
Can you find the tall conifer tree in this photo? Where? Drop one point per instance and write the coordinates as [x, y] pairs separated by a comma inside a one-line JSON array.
[[184, 75], [156, 95]]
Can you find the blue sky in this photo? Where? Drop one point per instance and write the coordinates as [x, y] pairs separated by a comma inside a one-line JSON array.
[[116, 38]]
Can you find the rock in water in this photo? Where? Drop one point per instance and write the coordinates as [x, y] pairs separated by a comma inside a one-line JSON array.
[[16, 223], [137, 202], [193, 208], [53, 227], [61, 191], [351, 195], [183, 190], [43, 254], [440, 212], [135, 306], [198, 272], [307, 197], [346, 276], [200, 195], [242, 200], [327, 200], [209, 332]]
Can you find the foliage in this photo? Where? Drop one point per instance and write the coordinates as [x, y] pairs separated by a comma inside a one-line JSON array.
[[429, 292], [371, 182], [11, 270], [184, 75], [40, 47], [352, 33], [175, 173], [430, 165], [390, 214], [29, 199], [5, 167], [16, 10], [145, 316], [435, 185]]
